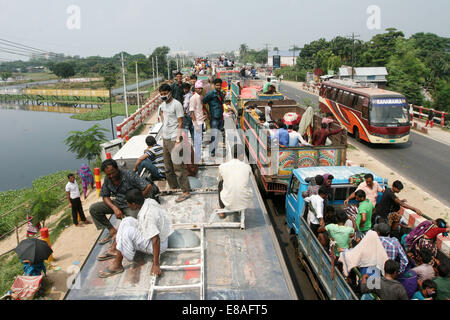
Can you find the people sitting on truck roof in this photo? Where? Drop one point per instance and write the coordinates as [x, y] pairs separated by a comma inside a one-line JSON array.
[[320, 136], [389, 288], [266, 85], [152, 160], [235, 192], [116, 183], [148, 233], [391, 203], [365, 208], [315, 209], [271, 89], [392, 246], [398, 224], [370, 187], [295, 138], [313, 188], [423, 267]]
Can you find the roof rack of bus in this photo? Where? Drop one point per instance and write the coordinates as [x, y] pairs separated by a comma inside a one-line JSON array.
[[346, 82]]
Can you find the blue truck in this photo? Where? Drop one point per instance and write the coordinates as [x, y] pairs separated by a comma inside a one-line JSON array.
[[314, 258]]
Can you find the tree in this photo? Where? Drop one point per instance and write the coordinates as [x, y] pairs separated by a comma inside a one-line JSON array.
[[406, 72], [243, 50], [86, 144], [161, 53], [42, 205], [381, 47], [64, 69], [5, 75]]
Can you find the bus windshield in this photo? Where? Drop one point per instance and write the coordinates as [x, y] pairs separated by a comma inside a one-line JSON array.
[[388, 111]]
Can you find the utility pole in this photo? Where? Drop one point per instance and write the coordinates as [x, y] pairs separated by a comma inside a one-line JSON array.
[[157, 74], [353, 51], [124, 85], [267, 49], [137, 85], [168, 69], [178, 69], [153, 71], [293, 54]]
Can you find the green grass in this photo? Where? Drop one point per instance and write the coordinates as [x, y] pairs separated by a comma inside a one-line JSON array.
[[118, 109], [351, 147]]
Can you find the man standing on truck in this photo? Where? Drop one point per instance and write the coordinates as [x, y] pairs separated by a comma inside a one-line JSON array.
[[177, 87], [215, 99], [315, 212], [364, 217], [390, 203], [172, 114], [370, 187], [320, 136]]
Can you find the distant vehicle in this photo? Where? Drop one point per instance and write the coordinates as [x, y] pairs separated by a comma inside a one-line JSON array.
[[370, 114], [273, 79]]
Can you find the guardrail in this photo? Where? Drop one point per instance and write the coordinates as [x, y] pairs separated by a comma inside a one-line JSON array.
[[423, 113], [130, 124], [313, 88]]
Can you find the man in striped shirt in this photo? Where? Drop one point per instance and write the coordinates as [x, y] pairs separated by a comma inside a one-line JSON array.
[[393, 248], [152, 160]]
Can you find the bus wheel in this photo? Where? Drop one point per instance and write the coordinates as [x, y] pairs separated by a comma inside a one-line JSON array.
[[356, 134]]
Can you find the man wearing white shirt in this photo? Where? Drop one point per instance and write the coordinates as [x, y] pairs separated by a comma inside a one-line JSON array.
[[149, 233], [198, 118], [235, 193], [296, 139], [73, 195], [315, 215]]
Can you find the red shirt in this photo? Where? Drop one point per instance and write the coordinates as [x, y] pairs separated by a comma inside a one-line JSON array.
[[433, 232], [319, 137]]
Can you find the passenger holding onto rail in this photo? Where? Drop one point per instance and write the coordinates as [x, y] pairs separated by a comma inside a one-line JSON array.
[[148, 233], [389, 288], [393, 248], [172, 117], [198, 118], [73, 195], [152, 160], [364, 217], [215, 99], [117, 182], [390, 203], [370, 187], [235, 192], [316, 207], [320, 136]]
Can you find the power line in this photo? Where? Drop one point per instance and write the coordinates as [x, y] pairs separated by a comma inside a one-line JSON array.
[[12, 52], [22, 45]]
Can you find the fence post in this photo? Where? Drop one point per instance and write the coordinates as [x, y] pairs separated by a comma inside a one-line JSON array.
[[17, 234], [443, 119], [420, 112], [98, 182]]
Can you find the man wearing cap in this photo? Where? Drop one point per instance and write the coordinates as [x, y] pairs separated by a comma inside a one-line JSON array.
[[393, 248], [198, 118]]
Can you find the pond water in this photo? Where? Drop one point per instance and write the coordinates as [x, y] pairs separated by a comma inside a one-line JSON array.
[[32, 142]]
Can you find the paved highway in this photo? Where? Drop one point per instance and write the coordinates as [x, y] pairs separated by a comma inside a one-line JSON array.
[[422, 160]]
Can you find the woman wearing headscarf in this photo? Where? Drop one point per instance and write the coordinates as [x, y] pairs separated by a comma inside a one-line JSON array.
[[86, 178]]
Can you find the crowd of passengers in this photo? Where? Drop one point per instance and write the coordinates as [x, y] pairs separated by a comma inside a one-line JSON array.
[[375, 237]]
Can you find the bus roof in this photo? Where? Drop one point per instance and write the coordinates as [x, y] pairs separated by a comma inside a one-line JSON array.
[[341, 174], [366, 91]]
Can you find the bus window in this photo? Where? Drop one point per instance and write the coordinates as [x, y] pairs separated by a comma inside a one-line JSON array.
[[295, 185], [345, 98], [352, 101], [359, 103], [365, 112], [334, 94], [340, 193], [339, 96], [329, 93]]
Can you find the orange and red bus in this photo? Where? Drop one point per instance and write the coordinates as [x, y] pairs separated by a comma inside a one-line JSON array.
[[370, 114]]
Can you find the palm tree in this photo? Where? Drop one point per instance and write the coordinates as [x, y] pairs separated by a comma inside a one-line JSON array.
[[243, 49], [86, 144]]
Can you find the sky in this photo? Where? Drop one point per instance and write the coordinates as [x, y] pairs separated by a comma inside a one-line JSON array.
[[106, 27]]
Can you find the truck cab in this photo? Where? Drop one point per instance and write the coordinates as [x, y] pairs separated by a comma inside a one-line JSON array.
[[309, 247]]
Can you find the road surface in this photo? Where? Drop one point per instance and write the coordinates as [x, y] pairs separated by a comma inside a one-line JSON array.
[[422, 160]]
